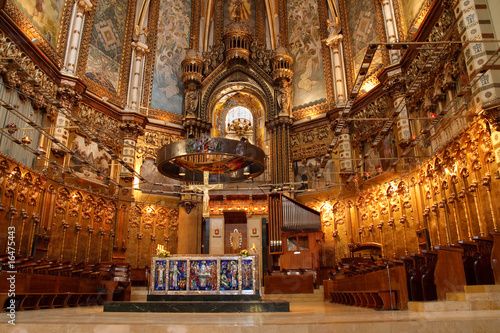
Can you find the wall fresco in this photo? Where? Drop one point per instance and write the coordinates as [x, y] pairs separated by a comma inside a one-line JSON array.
[[305, 48], [173, 40], [411, 8], [363, 31], [106, 44], [244, 9], [90, 152], [45, 15]]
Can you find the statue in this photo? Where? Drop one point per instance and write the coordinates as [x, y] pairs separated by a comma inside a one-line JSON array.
[[191, 102], [334, 32], [284, 98]]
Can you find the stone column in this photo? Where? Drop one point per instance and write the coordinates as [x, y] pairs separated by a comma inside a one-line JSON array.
[[345, 151], [334, 41], [131, 131], [390, 28], [81, 8], [475, 24], [396, 89], [140, 49]]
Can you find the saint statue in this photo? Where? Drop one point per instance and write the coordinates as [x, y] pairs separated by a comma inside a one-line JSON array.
[[191, 102], [284, 98]]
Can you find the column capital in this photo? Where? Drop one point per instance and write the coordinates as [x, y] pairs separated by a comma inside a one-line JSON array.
[[131, 130], [140, 47], [84, 6]]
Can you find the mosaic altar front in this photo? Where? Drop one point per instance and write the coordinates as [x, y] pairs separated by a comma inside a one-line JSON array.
[[204, 274]]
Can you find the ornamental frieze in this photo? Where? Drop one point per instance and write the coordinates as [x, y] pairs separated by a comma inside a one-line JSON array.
[[310, 142]]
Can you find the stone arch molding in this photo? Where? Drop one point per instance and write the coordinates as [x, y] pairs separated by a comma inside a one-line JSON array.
[[238, 78]]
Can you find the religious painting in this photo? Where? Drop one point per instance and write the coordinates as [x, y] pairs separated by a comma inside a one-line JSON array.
[[411, 9], [160, 275], [89, 152], [45, 15], [203, 275], [154, 179], [177, 275], [247, 274], [305, 48], [305, 172], [241, 11], [106, 44], [388, 150], [172, 42], [362, 29], [229, 275]]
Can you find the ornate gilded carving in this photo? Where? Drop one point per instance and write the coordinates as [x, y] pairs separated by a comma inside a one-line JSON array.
[[362, 130]]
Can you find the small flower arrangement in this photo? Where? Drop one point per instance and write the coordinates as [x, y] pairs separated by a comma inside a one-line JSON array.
[[244, 253], [162, 252]]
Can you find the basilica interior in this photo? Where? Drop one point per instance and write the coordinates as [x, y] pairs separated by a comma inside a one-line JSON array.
[[343, 143]]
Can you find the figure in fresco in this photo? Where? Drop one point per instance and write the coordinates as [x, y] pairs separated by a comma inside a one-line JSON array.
[[39, 9], [240, 10]]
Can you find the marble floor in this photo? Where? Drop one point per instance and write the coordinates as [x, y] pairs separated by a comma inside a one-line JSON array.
[[305, 317]]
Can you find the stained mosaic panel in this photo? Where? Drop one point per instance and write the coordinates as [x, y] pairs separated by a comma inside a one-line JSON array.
[[160, 275], [106, 43], [229, 275], [177, 273], [203, 275]]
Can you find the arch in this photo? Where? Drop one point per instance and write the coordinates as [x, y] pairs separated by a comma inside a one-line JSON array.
[[217, 85]]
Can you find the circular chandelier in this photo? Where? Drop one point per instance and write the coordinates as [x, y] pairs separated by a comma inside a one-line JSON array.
[[225, 160]]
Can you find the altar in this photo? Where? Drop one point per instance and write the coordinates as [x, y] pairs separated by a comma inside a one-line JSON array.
[[205, 275]]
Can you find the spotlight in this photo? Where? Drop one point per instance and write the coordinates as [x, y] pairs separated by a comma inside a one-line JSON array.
[[433, 115], [246, 170], [182, 171]]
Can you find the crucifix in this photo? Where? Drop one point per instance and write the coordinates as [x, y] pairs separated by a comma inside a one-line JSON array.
[[205, 188]]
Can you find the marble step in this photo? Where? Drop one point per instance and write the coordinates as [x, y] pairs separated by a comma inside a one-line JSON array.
[[317, 296], [139, 294], [482, 297]]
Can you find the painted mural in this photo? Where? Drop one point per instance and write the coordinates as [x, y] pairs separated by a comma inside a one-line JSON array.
[[150, 172], [177, 273], [173, 40], [106, 44], [363, 31], [89, 151], [306, 172], [45, 15], [242, 10], [305, 48], [203, 275], [411, 8]]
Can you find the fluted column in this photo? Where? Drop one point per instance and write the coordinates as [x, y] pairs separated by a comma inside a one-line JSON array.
[[139, 50], [131, 131], [390, 28], [81, 8], [335, 44]]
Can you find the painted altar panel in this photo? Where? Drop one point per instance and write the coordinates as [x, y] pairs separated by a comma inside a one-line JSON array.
[[245, 10], [411, 9], [106, 44], [362, 28], [305, 48], [205, 274], [172, 42], [45, 15]]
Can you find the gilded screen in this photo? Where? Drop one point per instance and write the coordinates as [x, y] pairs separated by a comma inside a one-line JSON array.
[[173, 40], [106, 44], [45, 15], [305, 48]]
